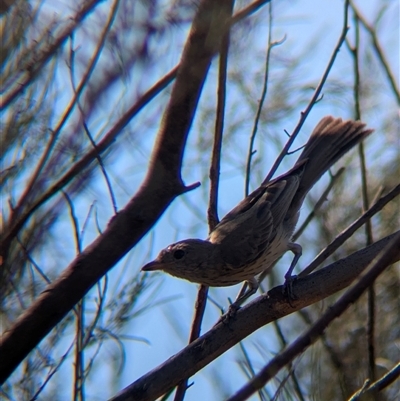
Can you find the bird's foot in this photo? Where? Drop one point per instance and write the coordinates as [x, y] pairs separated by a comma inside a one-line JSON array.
[[227, 317], [288, 288], [232, 310]]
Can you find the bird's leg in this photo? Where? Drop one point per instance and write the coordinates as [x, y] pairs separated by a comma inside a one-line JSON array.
[[242, 291], [297, 251], [249, 288]]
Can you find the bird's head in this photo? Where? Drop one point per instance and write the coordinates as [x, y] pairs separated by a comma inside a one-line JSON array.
[[182, 259]]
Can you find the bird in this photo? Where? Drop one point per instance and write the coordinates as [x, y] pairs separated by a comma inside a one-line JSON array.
[[258, 231]]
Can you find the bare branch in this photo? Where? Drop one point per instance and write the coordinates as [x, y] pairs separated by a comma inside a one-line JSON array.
[[341, 238], [379, 385], [392, 250], [319, 204], [314, 99], [251, 150], [379, 51], [366, 204]]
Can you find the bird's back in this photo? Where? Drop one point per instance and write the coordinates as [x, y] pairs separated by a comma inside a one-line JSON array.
[[251, 236]]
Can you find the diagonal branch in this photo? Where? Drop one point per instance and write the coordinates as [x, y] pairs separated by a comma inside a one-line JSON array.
[[379, 51], [344, 235], [316, 330], [379, 385]]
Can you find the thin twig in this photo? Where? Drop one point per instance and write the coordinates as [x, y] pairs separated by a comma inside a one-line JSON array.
[[341, 238], [251, 151], [250, 372], [86, 221], [54, 135], [212, 211], [366, 204], [75, 222], [99, 309], [379, 51], [334, 356], [79, 311], [304, 114], [199, 309], [290, 368], [101, 291], [33, 69], [86, 128], [379, 385], [215, 168], [280, 388], [52, 372], [318, 205], [35, 265]]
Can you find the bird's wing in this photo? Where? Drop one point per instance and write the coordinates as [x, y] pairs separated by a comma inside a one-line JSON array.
[[247, 230], [252, 199]]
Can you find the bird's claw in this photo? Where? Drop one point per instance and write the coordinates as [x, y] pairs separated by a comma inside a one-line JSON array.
[[288, 288], [227, 317], [233, 308]]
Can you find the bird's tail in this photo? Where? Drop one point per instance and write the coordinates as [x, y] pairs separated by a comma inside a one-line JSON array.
[[330, 140]]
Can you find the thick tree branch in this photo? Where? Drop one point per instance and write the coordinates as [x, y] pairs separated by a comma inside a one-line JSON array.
[[162, 184], [317, 329], [263, 310]]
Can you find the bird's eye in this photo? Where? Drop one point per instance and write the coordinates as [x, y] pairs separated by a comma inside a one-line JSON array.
[[179, 254]]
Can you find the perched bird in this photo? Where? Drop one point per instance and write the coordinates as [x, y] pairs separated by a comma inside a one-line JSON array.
[[258, 231]]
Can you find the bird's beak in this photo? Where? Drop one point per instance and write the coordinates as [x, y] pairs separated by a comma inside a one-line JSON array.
[[154, 265]]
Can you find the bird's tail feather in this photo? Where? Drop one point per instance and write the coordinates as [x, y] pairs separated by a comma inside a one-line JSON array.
[[330, 140]]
